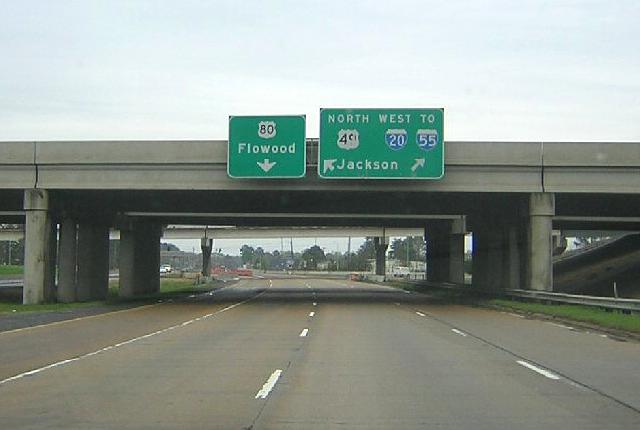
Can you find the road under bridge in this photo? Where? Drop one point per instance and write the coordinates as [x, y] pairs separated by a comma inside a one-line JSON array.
[[511, 195]]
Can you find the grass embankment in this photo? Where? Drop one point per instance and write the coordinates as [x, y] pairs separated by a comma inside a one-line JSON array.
[[609, 319], [11, 270], [169, 288], [586, 314]]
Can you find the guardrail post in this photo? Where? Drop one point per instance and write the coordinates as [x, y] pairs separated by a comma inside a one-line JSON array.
[[540, 249], [38, 281]]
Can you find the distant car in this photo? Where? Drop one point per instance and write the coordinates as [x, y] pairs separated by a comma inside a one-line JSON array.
[[165, 268], [401, 272]]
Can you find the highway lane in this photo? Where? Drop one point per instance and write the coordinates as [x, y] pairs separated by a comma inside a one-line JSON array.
[[304, 354]]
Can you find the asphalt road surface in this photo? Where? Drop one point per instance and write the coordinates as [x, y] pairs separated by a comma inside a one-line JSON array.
[[315, 354]]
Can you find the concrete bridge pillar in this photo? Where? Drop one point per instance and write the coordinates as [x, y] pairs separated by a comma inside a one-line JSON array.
[[380, 245], [39, 284], [438, 252], [139, 259], [492, 263], [540, 249], [456, 251], [93, 261], [206, 245], [480, 254], [512, 257], [67, 261], [445, 250]]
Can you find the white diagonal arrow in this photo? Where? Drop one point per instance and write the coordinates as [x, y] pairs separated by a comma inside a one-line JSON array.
[[328, 165], [420, 162], [266, 165]]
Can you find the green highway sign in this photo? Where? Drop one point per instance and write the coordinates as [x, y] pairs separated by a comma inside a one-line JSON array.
[[267, 147], [381, 144]]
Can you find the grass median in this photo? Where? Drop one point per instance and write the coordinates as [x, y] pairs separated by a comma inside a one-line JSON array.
[[592, 315], [169, 288], [11, 270]]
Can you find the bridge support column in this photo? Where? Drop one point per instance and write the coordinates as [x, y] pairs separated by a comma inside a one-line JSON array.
[[512, 270], [206, 245], [93, 262], [540, 249], [437, 235], [53, 266], [499, 248], [139, 259], [67, 261], [445, 250], [489, 256], [380, 245], [38, 281], [456, 251]]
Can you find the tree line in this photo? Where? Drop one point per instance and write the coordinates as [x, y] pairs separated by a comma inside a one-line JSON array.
[[315, 257]]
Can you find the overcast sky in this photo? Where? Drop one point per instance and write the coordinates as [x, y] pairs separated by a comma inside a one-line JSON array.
[[503, 70]]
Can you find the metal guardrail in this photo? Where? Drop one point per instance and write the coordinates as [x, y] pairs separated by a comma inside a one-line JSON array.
[[632, 305], [11, 283], [602, 302]]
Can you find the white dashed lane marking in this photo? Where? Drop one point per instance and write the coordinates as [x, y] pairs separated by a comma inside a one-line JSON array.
[[268, 386], [539, 370]]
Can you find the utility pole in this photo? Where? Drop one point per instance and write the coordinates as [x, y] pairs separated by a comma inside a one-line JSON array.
[[291, 249], [349, 255], [407, 251]]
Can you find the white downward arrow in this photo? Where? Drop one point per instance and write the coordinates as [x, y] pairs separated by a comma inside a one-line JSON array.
[[419, 163], [328, 165], [266, 165]]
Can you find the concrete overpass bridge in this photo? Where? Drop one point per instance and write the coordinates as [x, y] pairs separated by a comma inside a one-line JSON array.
[[512, 194]]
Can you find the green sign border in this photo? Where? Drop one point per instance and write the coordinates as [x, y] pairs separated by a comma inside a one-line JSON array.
[[368, 178], [268, 118]]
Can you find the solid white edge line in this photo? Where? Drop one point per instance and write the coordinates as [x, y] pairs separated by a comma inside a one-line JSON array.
[[456, 331], [304, 332], [539, 370], [117, 345], [420, 314], [268, 386], [560, 325], [104, 314], [312, 314]]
